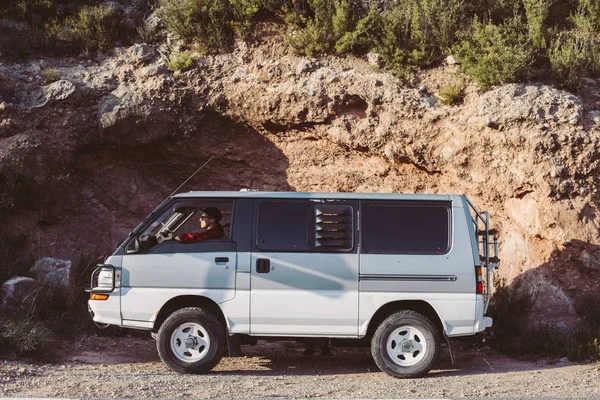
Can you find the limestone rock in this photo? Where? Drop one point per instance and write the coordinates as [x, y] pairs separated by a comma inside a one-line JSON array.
[[137, 114], [56, 91], [519, 102], [142, 53], [53, 270], [15, 292]]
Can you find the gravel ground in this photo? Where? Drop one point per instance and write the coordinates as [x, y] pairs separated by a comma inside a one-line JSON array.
[[103, 367]]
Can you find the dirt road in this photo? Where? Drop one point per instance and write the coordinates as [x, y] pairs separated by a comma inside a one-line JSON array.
[[130, 368]]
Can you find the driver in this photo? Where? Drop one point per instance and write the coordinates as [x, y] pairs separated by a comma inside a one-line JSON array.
[[211, 228]]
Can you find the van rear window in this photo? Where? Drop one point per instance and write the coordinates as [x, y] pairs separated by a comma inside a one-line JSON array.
[[406, 229]]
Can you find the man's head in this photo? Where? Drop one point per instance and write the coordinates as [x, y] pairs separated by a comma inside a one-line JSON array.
[[209, 216]]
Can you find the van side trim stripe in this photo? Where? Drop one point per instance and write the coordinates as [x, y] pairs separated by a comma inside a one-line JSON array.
[[428, 278]]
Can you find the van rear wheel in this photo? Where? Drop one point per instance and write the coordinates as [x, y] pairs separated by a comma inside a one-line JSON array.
[[406, 345], [191, 340]]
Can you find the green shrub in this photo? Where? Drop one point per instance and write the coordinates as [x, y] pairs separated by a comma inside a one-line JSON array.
[[243, 12], [180, 61], [320, 24], [572, 56], [206, 23], [587, 16], [536, 12], [453, 93], [416, 33], [495, 54], [297, 12], [434, 24], [496, 11], [361, 38], [51, 75], [93, 28], [145, 33], [32, 11]]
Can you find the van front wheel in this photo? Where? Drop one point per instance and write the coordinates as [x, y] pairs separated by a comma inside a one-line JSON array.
[[191, 340], [405, 345]]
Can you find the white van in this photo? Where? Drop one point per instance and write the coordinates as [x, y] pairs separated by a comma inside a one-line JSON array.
[[399, 270]]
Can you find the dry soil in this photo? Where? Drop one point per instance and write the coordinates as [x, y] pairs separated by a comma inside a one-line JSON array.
[[102, 367]]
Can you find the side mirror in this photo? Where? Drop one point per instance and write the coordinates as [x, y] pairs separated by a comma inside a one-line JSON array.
[[133, 247]]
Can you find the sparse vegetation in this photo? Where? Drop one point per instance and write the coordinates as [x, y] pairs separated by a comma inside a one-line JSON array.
[[513, 336], [495, 41], [205, 23], [145, 34], [60, 26], [574, 54], [50, 75], [495, 54], [536, 12], [24, 338], [320, 25], [453, 93], [180, 61], [93, 28], [50, 311]]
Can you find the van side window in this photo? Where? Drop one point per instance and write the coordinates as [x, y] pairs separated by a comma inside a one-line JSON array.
[[283, 227], [406, 229], [334, 228], [183, 217]]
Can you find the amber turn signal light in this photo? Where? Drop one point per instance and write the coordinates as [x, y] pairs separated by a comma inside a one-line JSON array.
[[96, 296]]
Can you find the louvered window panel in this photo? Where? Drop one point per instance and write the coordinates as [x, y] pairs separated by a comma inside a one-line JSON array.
[[333, 228]]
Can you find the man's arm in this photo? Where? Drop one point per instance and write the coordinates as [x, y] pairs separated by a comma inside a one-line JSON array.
[[199, 236]]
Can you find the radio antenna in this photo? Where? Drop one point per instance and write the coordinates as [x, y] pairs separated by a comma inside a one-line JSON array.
[[191, 176]]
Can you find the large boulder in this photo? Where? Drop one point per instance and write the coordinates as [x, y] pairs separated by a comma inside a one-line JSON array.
[[15, 293], [142, 53], [517, 102], [139, 114], [54, 92], [53, 271]]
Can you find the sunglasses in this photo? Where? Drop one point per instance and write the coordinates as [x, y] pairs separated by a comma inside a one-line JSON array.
[[204, 216]]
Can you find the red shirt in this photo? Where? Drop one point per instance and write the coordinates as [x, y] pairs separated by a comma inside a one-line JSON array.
[[215, 232]]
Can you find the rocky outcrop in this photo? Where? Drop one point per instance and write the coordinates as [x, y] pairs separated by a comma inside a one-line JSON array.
[[518, 102], [52, 271], [527, 153], [56, 91]]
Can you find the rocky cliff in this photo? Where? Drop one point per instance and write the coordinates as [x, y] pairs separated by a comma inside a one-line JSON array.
[[109, 140]]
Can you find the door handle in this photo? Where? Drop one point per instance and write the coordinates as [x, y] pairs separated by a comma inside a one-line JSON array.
[[221, 259], [263, 265]]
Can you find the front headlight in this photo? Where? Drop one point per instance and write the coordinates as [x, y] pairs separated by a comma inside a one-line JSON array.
[[106, 278], [103, 279]]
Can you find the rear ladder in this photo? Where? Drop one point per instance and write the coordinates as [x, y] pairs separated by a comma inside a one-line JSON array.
[[487, 242]]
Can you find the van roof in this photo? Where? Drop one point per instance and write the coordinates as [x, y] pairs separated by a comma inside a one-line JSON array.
[[320, 195]]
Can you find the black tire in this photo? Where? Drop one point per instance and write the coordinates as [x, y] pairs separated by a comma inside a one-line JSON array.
[[204, 345], [406, 345]]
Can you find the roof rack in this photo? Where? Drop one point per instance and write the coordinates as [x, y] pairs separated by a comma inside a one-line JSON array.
[[249, 190]]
